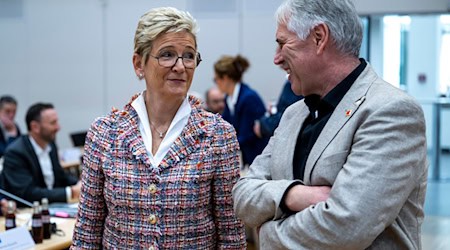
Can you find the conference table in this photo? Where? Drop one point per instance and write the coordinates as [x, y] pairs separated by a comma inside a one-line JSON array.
[[59, 241]]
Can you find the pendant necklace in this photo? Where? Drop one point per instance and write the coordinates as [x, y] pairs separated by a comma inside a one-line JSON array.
[[161, 134]]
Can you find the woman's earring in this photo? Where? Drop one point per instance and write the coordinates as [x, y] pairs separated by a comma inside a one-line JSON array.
[[141, 76]]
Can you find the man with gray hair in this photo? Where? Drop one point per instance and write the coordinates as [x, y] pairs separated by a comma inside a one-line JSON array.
[[354, 175]]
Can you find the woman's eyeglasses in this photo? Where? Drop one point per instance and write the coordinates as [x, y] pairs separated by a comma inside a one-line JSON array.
[[169, 58]]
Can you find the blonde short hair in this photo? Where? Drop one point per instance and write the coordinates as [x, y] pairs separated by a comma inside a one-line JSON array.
[[159, 21]]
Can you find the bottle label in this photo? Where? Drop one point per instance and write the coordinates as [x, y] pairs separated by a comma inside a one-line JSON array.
[[45, 219], [36, 223], [9, 223]]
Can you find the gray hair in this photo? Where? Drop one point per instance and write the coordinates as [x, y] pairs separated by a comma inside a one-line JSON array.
[[159, 21], [301, 16]]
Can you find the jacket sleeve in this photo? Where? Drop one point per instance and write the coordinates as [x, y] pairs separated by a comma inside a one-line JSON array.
[[92, 207], [256, 196], [252, 109], [230, 230]]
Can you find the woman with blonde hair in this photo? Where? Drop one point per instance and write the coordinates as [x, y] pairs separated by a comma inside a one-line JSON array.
[[159, 173]]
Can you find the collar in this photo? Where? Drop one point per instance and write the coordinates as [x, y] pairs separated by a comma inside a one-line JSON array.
[[233, 99], [332, 99], [37, 148], [139, 105], [337, 93]]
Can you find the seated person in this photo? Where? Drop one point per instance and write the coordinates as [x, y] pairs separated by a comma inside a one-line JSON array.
[[31, 168], [9, 130]]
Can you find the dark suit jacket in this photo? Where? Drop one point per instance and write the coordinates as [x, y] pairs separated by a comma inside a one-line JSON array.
[[249, 107], [287, 97], [23, 175], [4, 143]]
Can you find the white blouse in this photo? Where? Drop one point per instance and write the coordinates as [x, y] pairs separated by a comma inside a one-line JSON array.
[[176, 127]]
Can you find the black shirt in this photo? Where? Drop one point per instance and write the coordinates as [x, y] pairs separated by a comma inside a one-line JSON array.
[[320, 113]]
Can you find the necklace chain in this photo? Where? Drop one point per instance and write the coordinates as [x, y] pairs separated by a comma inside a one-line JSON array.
[[161, 134]]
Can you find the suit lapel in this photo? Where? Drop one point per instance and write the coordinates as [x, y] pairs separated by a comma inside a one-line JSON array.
[[345, 110], [293, 130], [35, 165], [127, 133], [189, 140]]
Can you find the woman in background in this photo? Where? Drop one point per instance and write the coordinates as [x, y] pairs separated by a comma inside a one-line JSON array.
[[243, 104], [159, 174]]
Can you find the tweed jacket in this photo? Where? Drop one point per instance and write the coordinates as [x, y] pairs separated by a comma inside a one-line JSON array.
[[371, 152], [184, 203]]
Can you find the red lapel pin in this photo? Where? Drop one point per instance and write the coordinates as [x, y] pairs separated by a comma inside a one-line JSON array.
[[348, 112]]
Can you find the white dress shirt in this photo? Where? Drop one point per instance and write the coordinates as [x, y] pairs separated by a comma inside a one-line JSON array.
[[45, 162], [176, 127], [232, 100]]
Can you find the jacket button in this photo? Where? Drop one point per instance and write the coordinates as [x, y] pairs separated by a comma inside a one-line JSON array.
[[152, 188], [153, 219]]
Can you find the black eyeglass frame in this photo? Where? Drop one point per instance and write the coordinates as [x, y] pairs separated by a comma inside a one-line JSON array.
[[198, 59]]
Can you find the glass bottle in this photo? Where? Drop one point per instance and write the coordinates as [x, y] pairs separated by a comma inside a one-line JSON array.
[[10, 218], [36, 225], [46, 219]]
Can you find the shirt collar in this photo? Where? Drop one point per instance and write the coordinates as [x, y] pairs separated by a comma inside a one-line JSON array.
[[235, 96], [174, 130], [332, 99], [139, 105], [337, 93], [232, 100], [37, 148]]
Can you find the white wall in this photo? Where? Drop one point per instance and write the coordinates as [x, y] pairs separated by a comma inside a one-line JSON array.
[[401, 6]]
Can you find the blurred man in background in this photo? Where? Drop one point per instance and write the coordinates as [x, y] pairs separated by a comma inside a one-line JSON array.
[[9, 130], [214, 100], [31, 168]]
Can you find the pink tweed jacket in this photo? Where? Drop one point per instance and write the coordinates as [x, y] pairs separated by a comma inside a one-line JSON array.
[[184, 203]]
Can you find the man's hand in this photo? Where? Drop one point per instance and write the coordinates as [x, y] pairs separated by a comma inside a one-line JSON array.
[[4, 206], [300, 197], [8, 123], [257, 129], [76, 189]]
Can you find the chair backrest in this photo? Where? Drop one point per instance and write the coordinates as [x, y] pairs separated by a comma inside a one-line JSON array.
[[78, 138]]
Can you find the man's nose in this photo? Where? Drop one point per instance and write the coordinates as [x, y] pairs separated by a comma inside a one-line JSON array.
[[277, 59]]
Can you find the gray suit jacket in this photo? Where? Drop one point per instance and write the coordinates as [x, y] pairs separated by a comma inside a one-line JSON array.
[[372, 152]]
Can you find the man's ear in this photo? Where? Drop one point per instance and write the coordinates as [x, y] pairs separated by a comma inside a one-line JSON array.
[[138, 65], [34, 126], [321, 36]]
